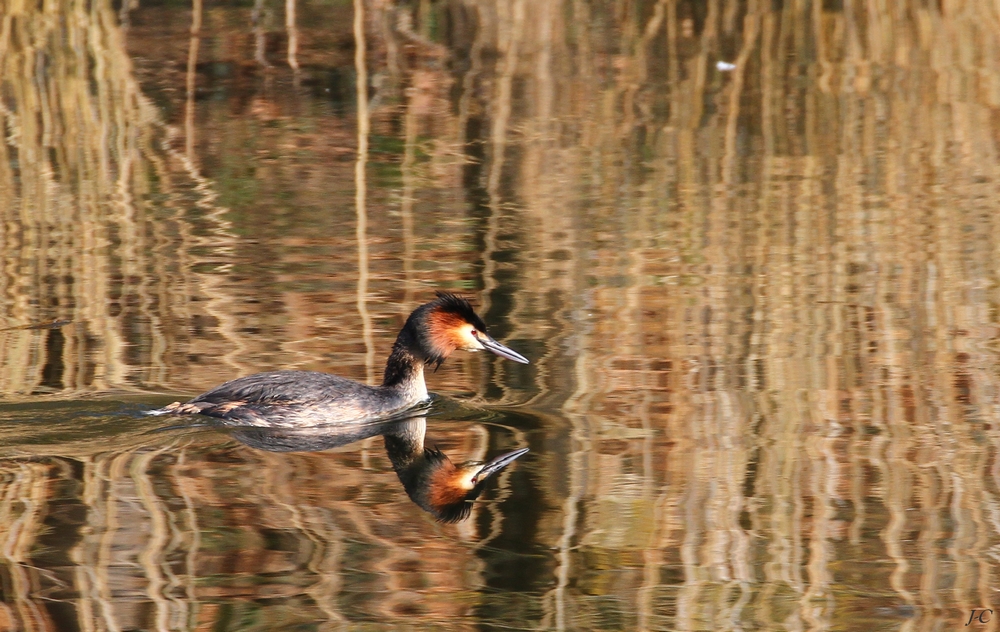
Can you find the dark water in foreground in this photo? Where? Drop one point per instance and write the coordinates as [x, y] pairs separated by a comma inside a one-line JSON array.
[[760, 303]]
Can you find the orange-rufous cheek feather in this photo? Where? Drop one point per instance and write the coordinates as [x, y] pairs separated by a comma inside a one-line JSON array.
[[445, 489], [446, 332]]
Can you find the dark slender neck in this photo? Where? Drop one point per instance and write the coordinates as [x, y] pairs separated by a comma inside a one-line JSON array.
[[403, 364], [404, 445]]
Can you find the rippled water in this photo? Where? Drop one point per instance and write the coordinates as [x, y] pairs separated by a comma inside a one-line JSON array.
[[760, 301]]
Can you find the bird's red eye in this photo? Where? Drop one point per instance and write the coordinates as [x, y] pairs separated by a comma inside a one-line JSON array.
[[475, 334]]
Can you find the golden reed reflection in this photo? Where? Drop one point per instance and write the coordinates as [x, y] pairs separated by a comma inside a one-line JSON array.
[[760, 301], [82, 241]]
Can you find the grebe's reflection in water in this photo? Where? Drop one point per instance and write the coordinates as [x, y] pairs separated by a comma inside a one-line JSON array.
[[444, 489]]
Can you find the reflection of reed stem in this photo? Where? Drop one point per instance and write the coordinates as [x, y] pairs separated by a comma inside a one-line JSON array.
[[183, 485], [498, 143], [360, 187], [293, 35], [406, 204], [469, 79], [259, 34], [155, 550], [107, 477], [580, 434], [28, 488], [749, 42], [192, 80]]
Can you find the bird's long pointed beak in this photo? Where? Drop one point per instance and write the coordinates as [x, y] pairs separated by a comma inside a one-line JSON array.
[[501, 350], [499, 463]]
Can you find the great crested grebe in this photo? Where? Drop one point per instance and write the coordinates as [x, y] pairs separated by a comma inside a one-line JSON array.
[[295, 399]]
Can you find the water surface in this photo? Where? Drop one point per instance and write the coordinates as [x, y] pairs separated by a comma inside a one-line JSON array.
[[761, 306]]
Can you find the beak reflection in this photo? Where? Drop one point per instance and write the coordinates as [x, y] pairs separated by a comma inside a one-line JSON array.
[[498, 464]]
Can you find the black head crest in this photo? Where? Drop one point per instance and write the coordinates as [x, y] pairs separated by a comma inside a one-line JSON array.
[[456, 512], [455, 304], [434, 454]]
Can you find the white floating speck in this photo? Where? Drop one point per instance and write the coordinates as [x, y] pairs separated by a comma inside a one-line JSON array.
[[724, 66]]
